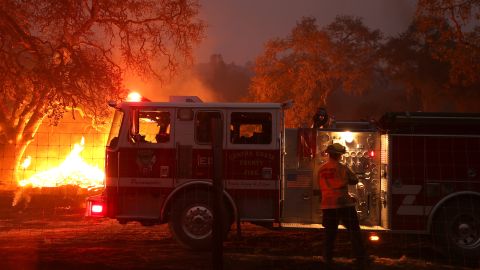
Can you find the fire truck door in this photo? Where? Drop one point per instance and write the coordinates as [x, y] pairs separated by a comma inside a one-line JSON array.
[[252, 164], [298, 183], [149, 145], [145, 162]]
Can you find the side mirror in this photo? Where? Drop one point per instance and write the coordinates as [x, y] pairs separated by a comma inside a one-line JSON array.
[[113, 142], [112, 103]]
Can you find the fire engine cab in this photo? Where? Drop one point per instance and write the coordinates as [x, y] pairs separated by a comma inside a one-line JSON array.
[[419, 172]]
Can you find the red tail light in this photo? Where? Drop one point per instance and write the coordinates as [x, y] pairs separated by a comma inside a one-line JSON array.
[[97, 208], [372, 153]]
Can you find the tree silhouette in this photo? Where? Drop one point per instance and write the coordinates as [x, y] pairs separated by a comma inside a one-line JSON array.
[[228, 81], [409, 62], [58, 55], [437, 59], [311, 63], [451, 28]]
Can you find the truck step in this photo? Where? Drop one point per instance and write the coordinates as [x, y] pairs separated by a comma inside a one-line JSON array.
[[319, 226]]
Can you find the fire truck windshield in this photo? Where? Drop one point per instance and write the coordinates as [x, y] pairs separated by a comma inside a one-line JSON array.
[[115, 129]]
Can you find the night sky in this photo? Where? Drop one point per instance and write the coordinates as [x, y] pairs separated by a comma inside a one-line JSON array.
[[238, 29]]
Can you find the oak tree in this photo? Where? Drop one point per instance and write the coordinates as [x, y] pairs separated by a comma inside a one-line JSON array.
[[437, 59], [452, 29], [310, 63], [409, 63], [59, 55]]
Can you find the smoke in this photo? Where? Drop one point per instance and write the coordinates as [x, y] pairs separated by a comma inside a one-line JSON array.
[[214, 81], [186, 83]]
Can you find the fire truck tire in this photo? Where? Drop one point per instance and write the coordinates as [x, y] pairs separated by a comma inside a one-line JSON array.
[[456, 229], [191, 220]]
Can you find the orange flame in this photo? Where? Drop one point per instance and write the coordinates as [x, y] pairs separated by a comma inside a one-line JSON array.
[[73, 171], [26, 162]]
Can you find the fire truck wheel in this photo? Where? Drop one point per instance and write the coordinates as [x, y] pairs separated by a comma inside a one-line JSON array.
[[456, 229], [192, 218]]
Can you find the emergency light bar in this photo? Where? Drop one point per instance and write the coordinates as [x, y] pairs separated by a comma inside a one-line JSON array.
[[136, 97]]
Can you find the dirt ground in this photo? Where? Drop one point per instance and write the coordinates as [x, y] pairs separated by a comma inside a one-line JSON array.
[[61, 238]]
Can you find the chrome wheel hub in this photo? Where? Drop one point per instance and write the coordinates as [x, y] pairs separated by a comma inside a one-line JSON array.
[[197, 222], [466, 232]]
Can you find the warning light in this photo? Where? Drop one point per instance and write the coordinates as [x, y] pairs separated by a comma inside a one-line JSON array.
[[347, 136], [374, 238], [97, 208], [372, 153], [134, 97]]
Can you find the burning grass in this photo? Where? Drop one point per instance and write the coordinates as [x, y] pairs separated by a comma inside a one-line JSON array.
[[74, 170], [66, 185]]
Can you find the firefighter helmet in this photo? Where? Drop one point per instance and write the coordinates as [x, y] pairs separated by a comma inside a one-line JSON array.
[[336, 148]]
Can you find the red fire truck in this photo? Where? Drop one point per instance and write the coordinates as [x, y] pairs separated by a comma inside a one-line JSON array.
[[418, 172]]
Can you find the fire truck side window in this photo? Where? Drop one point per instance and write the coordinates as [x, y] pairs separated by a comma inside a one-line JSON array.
[[153, 127], [251, 128], [203, 134]]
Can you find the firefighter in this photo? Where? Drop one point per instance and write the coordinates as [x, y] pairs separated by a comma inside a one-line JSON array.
[[320, 119], [338, 206]]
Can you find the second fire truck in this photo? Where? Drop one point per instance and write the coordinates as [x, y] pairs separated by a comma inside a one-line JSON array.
[[419, 172]]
